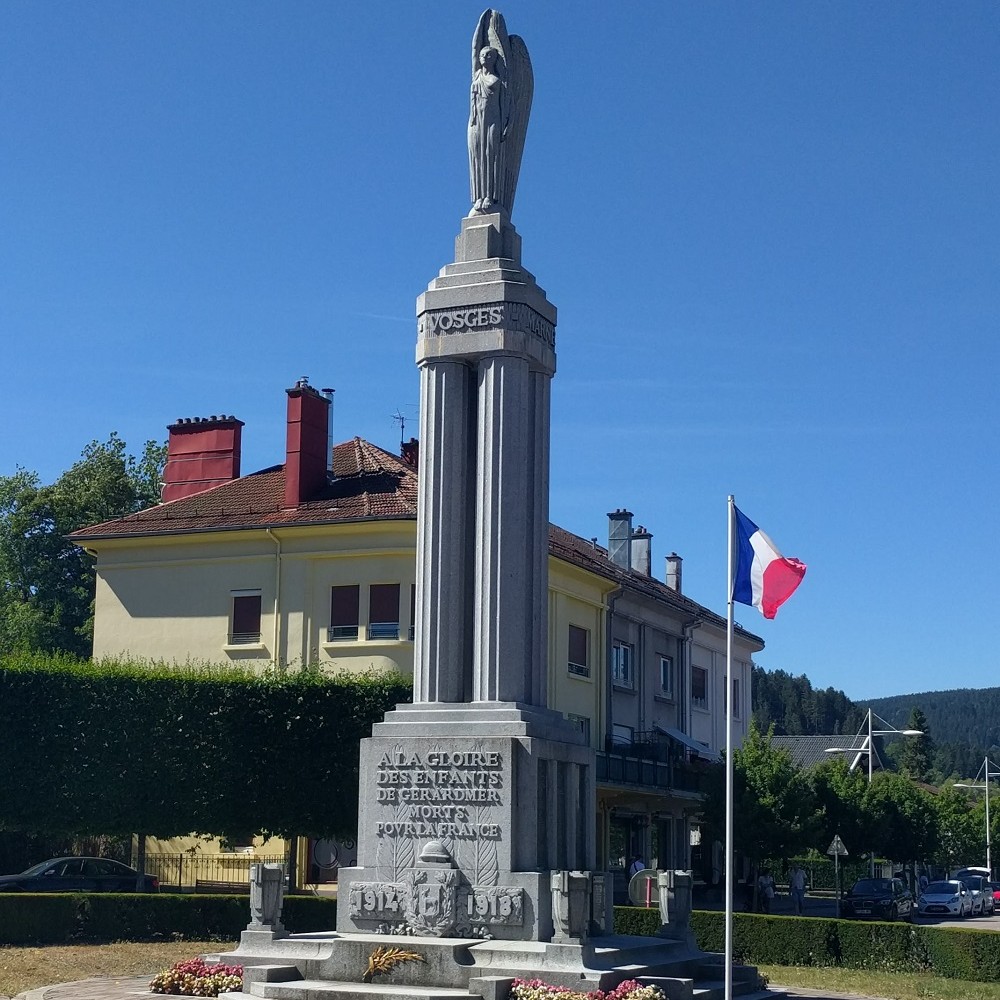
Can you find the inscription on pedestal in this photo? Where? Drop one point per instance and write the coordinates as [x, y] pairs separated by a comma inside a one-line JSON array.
[[454, 796], [495, 316]]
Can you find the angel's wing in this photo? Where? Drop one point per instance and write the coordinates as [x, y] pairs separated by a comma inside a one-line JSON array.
[[480, 38], [521, 81]]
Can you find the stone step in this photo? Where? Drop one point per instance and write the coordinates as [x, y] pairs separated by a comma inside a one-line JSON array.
[[706, 989], [320, 989]]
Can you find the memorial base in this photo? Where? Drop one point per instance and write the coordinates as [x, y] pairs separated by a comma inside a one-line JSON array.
[[329, 964]]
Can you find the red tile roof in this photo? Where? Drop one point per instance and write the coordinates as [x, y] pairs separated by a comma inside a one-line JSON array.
[[369, 484]]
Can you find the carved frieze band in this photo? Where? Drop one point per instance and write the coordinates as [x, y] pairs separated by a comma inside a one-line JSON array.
[[513, 316], [432, 902]]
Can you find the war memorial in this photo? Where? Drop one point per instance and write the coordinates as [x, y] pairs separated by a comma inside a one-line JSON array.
[[476, 836]]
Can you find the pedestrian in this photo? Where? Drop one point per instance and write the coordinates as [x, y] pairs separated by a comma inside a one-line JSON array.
[[924, 881], [765, 890], [637, 865], [797, 889]]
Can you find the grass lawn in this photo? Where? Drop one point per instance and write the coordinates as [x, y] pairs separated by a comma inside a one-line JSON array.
[[26, 968], [894, 986]]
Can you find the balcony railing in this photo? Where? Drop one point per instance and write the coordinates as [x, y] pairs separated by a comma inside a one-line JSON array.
[[342, 633], [383, 630], [648, 760], [243, 638]]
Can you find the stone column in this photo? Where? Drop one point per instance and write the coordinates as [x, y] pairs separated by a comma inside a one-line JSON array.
[[504, 530], [537, 686], [442, 662]]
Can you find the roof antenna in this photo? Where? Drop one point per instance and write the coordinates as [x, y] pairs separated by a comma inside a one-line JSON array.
[[398, 418]]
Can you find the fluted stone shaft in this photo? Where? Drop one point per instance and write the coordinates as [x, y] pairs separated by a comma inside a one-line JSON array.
[[538, 541], [504, 523], [442, 666]]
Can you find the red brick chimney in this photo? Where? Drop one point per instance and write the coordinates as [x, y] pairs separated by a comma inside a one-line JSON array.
[[410, 452], [307, 443], [202, 452]]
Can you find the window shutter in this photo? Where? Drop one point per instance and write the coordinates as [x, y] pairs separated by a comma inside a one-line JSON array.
[[344, 606], [383, 604], [246, 615]]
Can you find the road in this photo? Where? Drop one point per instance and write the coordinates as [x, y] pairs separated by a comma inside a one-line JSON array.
[[821, 906]]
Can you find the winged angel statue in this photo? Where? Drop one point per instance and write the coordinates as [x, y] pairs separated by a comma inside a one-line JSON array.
[[502, 85]]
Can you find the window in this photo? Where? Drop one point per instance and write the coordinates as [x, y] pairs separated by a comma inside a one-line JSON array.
[[736, 698], [413, 612], [383, 611], [699, 687], [621, 664], [583, 724], [244, 625], [343, 614], [579, 640], [621, 735], [667, 676]]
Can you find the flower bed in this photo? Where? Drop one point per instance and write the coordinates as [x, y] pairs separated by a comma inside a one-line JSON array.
[[194, 978], [535, 989]]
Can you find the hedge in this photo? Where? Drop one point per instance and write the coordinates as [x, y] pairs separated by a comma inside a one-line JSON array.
[[58, 918], [952, 952], [132, 747]]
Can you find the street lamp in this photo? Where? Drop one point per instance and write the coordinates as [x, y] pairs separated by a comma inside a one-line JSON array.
[[986, 774], [868, 747]]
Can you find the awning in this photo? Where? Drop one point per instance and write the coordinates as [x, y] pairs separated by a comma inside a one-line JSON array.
[[693, 745]]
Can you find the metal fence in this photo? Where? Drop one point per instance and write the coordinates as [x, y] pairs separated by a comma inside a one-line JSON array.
[[183, 871]]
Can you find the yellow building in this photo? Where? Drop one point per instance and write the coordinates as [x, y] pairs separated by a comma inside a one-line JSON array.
[[313, 562]]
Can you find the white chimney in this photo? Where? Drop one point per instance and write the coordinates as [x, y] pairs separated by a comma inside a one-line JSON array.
[[674, 572]]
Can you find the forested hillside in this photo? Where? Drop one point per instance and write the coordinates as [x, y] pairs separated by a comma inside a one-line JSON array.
[[961, 725], [796, 708], [966, 717]]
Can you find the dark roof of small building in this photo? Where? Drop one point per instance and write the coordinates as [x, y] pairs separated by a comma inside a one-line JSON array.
[[369, 484], [808, 751]]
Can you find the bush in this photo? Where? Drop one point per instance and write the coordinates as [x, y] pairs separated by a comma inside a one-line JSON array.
[[180, 749], [955, 953], [57, 918]]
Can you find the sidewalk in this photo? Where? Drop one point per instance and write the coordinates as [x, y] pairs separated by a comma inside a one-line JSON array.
[[107, 988]]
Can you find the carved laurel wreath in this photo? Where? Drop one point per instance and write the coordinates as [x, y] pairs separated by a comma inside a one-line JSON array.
[[383, 960]]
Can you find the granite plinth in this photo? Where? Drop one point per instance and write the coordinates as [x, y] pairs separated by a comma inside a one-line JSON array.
[[303, 966], [464, 814]]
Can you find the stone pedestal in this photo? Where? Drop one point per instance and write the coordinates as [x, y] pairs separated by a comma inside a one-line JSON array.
[[498, 792]]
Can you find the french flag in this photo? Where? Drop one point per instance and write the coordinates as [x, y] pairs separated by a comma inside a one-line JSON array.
[[764, 578]]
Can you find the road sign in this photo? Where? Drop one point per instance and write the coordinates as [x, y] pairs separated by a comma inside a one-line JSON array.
[[836, 848]]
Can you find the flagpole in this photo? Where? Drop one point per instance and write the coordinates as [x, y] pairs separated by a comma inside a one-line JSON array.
[[728, 986]]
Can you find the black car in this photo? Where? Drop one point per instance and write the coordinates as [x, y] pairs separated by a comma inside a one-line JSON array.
[[878, 899], [78, 875]]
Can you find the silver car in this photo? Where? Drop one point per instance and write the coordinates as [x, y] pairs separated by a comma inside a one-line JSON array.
[[982, 894], [949, 899]]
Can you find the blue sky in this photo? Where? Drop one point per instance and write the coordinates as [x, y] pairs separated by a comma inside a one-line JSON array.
[[771, 231]]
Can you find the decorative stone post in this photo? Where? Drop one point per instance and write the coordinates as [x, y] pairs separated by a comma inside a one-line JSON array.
[[570, 906], [675, 903], [267, 896]]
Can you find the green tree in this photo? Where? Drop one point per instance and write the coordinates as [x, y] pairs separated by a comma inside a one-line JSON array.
[[840, 799], [915, 755], [773, 801], [904, 820], [961, 839], [47, 582]]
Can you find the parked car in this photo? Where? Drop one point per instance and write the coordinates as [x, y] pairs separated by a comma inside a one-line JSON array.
[[878, 899], [982, 897], [964, 873], [995, 889], [78, 875], [948, 898]]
